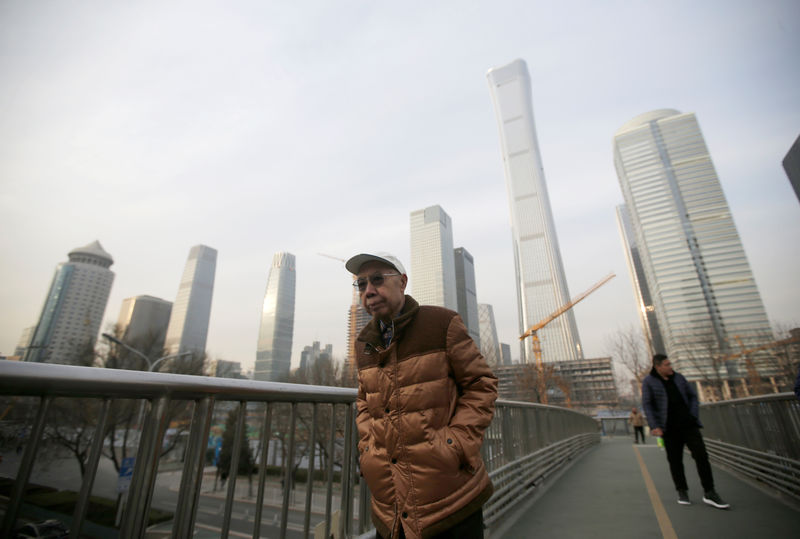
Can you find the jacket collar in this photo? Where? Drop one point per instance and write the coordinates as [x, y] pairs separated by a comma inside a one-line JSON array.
[[371, 334]]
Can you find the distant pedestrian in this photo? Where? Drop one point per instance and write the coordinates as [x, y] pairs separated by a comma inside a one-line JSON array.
[[672, 410], [637, 420]]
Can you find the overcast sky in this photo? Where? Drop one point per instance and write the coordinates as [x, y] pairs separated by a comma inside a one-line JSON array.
[[317, 127]]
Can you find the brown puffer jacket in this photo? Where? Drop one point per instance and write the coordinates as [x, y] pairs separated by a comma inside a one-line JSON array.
[[423, 405]]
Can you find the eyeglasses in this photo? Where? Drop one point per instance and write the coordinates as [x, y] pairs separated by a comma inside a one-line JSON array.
[[375, 280]]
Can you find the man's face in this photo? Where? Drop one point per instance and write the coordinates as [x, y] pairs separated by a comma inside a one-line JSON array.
[[665, 369], [385, 300]]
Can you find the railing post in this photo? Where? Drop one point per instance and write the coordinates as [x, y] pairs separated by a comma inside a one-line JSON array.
[[288, 478], [346, 515], [310, 471], [25, 467], [233, 471], [192, 476], [137, 510], [266, 434], [91, 471]]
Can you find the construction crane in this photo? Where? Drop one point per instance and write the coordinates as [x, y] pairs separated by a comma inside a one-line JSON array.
[[342, 260], [533, 332]]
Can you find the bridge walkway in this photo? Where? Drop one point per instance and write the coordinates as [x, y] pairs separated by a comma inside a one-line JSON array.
[[606, 494]]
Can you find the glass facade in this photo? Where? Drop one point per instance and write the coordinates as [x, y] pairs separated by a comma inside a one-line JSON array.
[[74, 308], [433, 269], [274, 352], [694, 264], [490, 346], [191, 312], [540, 281], [466, 297], [644, 300]]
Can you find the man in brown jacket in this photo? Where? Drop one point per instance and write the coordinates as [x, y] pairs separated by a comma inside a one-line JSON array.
[[425, 397]]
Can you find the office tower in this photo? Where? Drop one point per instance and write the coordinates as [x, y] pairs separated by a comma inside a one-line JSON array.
[[311, 354], [143, 322], [357, 318], [24, 341], [466, 298], [791, 164], [432, 265], [540, 281], [703, 292], [505, 351], [188, 323], [274, 352], [490, 346], [73, 310], [644, 300]]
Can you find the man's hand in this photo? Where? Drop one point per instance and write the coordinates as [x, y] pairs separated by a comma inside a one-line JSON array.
[[657, 432]]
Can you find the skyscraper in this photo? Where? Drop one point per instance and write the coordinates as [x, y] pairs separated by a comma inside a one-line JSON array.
[[644, 300], [467, 299], [73, 310], [357, 318], [791, 164], [274, 352], [433, 269], [143, 322], [490, 345], [188, 323], [540, 281], [703, 291]]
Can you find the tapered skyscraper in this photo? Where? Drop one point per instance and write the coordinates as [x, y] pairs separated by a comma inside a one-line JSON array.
[[191, 312], [540, 281], [274, 352], [73, 310], [703, 292], [433, 271]]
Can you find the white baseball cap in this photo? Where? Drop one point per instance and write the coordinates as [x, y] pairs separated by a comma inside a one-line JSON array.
[[354, 264]]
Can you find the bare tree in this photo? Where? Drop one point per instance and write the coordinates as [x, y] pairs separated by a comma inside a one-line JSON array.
[[629, 348]]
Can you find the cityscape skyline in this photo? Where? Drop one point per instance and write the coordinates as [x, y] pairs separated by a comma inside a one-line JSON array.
[[125, 123]]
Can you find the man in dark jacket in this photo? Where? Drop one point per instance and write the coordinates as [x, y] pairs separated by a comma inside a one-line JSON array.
[[672, 411]]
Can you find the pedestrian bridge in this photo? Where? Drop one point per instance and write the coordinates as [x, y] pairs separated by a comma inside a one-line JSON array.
[[146, 444]]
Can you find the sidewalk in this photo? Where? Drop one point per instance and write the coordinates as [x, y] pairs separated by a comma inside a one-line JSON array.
[[604, 494]]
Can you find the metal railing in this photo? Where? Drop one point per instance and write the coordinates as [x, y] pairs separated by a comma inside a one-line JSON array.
[[758, 437], [527, 443], [524, 445]]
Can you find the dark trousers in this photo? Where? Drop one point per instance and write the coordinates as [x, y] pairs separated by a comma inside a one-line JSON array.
[[674, 441], [638, 431], [469, 528]]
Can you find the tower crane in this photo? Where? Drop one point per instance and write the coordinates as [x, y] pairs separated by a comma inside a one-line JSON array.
[[533, 333]]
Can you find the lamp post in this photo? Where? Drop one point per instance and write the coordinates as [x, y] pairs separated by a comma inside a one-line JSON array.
[[150, 365]]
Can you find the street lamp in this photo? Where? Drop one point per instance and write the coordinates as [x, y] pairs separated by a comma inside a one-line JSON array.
[[150, 366]]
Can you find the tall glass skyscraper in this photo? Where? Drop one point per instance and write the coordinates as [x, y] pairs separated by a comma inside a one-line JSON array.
[[703, 291], [433, 268], [540, 281], [490, 345], [644, 300], [467, 298], [73, 310], [191, 312], [274, 352]]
